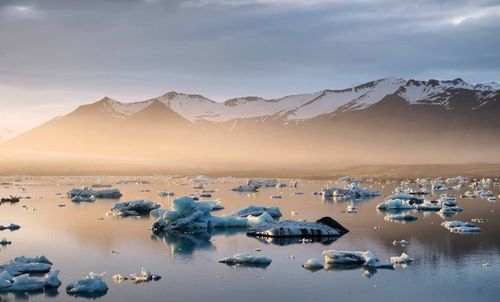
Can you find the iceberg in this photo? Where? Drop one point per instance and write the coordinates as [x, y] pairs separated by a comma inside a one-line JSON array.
[[247, 259], [188, 214], [457, 226], [403, 259], [257, 211], [259, 183], [144, 276], [25, 282], [428, 206], [92, 285], [323, 227], [313, 264], [341, 258], [23, 265], [83, 198], [245, 188], [407, 197], [133, 208], [87, 192], [394, 204]]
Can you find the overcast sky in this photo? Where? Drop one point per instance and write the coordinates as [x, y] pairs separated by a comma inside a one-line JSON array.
[[56, 54]]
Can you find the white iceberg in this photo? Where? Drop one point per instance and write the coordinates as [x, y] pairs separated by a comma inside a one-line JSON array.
[[394, 204], [259, 183], [247, 259], [313, 264], [341, 258], [188, 214], [403, 259], [144, 276], [457, 226], [133, 208], [90, 285], [428, 206], [83, 198]]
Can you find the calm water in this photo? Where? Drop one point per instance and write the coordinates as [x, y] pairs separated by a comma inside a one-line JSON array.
[[79, 239]]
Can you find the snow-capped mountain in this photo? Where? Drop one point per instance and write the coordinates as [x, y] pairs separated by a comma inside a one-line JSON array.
[[197, 108], [417, 120]]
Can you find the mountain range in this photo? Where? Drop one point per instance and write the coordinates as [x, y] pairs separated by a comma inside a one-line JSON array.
[[385, 121]]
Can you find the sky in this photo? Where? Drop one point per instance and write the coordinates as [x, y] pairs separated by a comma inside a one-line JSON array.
[[58, 54]]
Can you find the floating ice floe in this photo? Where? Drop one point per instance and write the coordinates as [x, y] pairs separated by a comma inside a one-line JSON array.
[[449, 211], [247, 259], [406, 197], [165, 193], [324, 227], [188, 214], [245, 188], [313, 264], [341, 258], [11, 227], [133, 208], [26, 283], [144, 276], [394, 205], [457, 226], [259, 183], [83, 198], [119, 278], [428, 206], [351, 190], [400, 217], [447, 200], [23, 265], [403, 259], [401, 242], [87, 191], [5, 242], [275, 212], [11, 199], [88, 286]]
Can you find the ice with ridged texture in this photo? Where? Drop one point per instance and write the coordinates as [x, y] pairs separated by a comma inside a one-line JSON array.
[[457, 226], [133, 208], [88, 191], [394, 204], [90, 285], [340, 258], [247, 259], [323, 227], [188, 214], [22, 265], [275, 212]]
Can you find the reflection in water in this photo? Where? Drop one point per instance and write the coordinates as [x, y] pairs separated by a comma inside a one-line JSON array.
[[184, 243], [325, 240]]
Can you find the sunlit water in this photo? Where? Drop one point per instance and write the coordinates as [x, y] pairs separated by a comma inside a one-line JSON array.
[[79, 239]]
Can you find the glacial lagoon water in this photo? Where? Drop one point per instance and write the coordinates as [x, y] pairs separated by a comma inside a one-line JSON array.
[[79, 238]]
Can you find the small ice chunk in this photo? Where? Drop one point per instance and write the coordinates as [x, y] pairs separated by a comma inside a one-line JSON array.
[[90, 285], [403, 259], [144, 276], [394, 204], [400, 217], [246, 259], [401, 242], [11, 227], [245, 188], [313, 264], [133, 208], [258, 210]]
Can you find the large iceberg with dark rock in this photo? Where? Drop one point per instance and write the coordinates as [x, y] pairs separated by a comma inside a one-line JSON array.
[[133, 208], [323, 227]]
